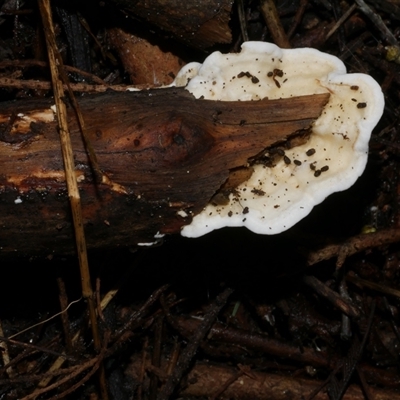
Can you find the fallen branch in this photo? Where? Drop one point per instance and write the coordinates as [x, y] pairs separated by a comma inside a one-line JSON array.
[[354, 245], [163, 153]]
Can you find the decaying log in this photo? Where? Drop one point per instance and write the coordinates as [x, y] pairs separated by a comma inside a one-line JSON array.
[[197, 23], [206, 380], [163, 151]]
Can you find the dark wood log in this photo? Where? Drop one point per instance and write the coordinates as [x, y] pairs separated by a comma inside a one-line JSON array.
[[197, 23], [162, 150]]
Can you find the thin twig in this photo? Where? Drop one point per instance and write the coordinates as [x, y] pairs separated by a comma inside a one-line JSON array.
[[270, 14], [142, 369], [333, 297], [77, 371], [35, 347], [72, 185], [78, 384], [340, 21], [156, 356], [76, 87], [44, 64], [346, 322], [354, 245], [297, 18], [188, 353], [46, 320], [4, 352], [242, 20], [352, 359], [377, 22], [63, 297], [138, 315], [373, 285], [337, 14]]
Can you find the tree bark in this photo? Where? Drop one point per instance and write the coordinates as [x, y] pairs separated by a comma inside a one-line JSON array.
[[163, 151]]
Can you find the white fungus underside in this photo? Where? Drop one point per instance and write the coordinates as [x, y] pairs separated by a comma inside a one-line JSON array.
[[340, 136]]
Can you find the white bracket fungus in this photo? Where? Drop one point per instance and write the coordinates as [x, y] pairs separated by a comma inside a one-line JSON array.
[[277, 196]]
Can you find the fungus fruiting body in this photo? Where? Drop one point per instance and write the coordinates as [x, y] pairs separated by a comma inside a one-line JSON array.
[[280, 193]]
